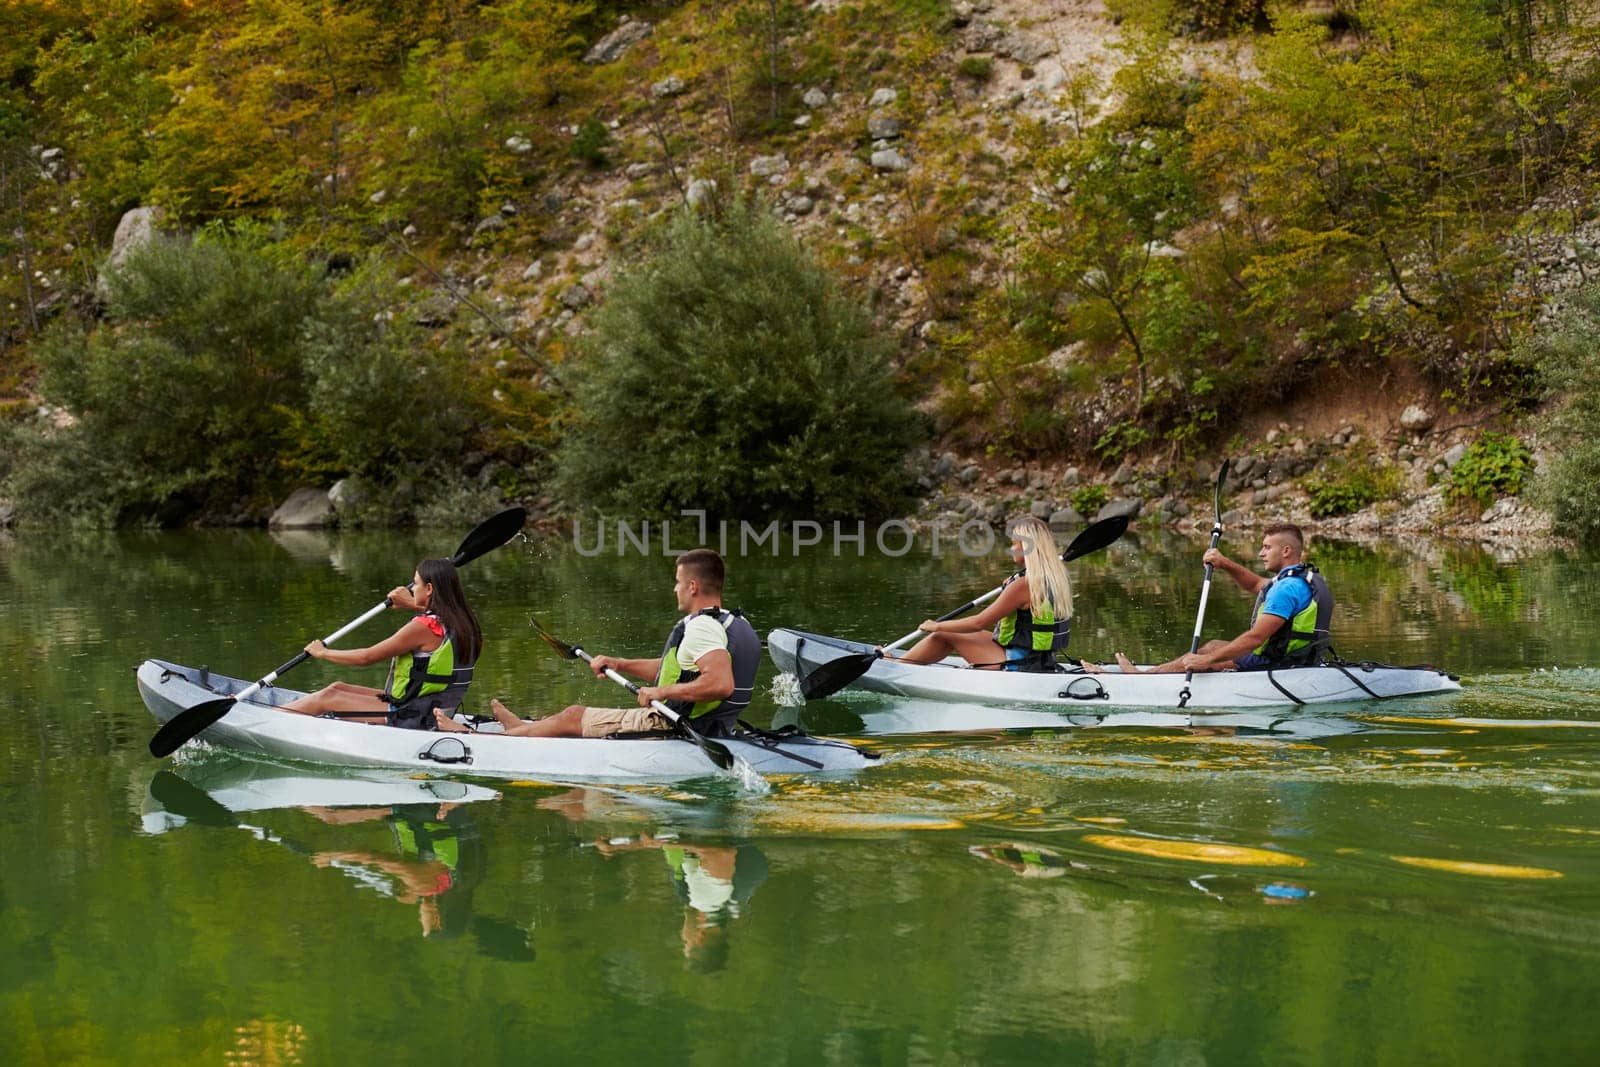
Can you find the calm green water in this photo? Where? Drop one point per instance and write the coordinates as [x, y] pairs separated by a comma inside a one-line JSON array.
[[1099, 893]]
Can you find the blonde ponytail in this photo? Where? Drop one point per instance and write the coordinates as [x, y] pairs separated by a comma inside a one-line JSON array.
[[1041, 562]]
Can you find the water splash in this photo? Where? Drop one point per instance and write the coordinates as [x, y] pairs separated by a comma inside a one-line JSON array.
[[749, 780], [786, 691]]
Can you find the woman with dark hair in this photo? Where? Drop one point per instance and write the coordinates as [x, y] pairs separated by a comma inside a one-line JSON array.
[[431, 657]]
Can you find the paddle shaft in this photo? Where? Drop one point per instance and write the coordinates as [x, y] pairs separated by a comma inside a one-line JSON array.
[[1205, 587], [962, 610], [720, 754]]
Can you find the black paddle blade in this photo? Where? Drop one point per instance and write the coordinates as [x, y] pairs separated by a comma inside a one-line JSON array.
[[715, 751], [490, 535], [189, 800], [1095, 537], [186, 724], [1222, 476], [830, 677], [552, 640]]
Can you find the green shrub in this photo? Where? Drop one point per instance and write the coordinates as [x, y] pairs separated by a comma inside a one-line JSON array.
[[382, 401], [1349, 483], [1495, 465], [978, 68], [589, 146], [224, 372], [1090, 499], [1567, 353], [726, 371], [179, 394]]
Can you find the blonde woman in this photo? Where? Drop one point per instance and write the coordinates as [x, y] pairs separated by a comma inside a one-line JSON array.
[[1029, 622]]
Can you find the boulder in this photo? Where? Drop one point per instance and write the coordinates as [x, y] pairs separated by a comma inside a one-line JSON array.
[[884, 127], [348, 495], [136, 229], [610, 48], [576, 296], [701, 192], [304, 508], [1416, 419], [889, 159], [1128, 505], [1454, 456], [1065, 517], [766, 166]]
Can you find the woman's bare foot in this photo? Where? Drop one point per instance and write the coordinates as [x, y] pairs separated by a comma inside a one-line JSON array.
[[1127, 664], [447, 724], [503, 715], [1091, 668]]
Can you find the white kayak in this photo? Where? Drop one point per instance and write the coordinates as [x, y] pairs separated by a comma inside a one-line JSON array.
[[255, 726], [913, 716], [245, 786], [801, 653]]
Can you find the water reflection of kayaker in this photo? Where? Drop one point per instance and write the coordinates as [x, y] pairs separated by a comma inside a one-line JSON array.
[[1026, 860], [713, 881], [439, 860], [431, 657], [1026, 626], [1292, 619]]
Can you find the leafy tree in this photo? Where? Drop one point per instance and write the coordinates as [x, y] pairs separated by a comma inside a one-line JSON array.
[[225, 370], [182, 390], [383, 402], [439, 139], [727, 372], [262, 115], [1126, 193], [1388, 164], [1567, 352]]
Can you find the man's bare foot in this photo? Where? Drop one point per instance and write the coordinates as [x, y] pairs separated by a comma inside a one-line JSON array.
[[447, 724], [503, 715], [1091, 668], [1127, 664]]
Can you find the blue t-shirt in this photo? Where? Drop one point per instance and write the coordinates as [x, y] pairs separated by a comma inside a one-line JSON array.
[[1287, 597]]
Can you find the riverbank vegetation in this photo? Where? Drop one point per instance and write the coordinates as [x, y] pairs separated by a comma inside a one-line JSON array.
[[1075, 259]]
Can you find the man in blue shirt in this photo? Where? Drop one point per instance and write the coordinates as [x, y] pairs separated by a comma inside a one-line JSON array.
[[1289, 597]]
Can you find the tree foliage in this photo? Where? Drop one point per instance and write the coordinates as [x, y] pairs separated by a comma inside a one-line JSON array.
[[1567, 352], [224, 369], [726, 371]]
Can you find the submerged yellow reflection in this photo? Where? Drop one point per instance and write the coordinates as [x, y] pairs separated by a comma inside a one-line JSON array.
[[1482, 870], [1197, 851]]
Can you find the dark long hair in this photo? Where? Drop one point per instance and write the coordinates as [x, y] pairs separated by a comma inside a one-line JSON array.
[[450, 604]]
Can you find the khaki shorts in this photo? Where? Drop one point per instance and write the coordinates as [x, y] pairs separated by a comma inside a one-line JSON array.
[[603, 722]]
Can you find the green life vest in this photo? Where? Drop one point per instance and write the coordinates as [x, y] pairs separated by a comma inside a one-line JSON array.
[[744, 646], [437, 841], [1042, 633], [418, 676], [1305, 637]]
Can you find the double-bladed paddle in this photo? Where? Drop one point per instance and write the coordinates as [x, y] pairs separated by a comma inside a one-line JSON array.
[[834, 675], [489, 535], [1205, 589], [715, 751]]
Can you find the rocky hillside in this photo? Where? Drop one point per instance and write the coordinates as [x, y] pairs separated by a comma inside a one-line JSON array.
[[1076, 343]]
